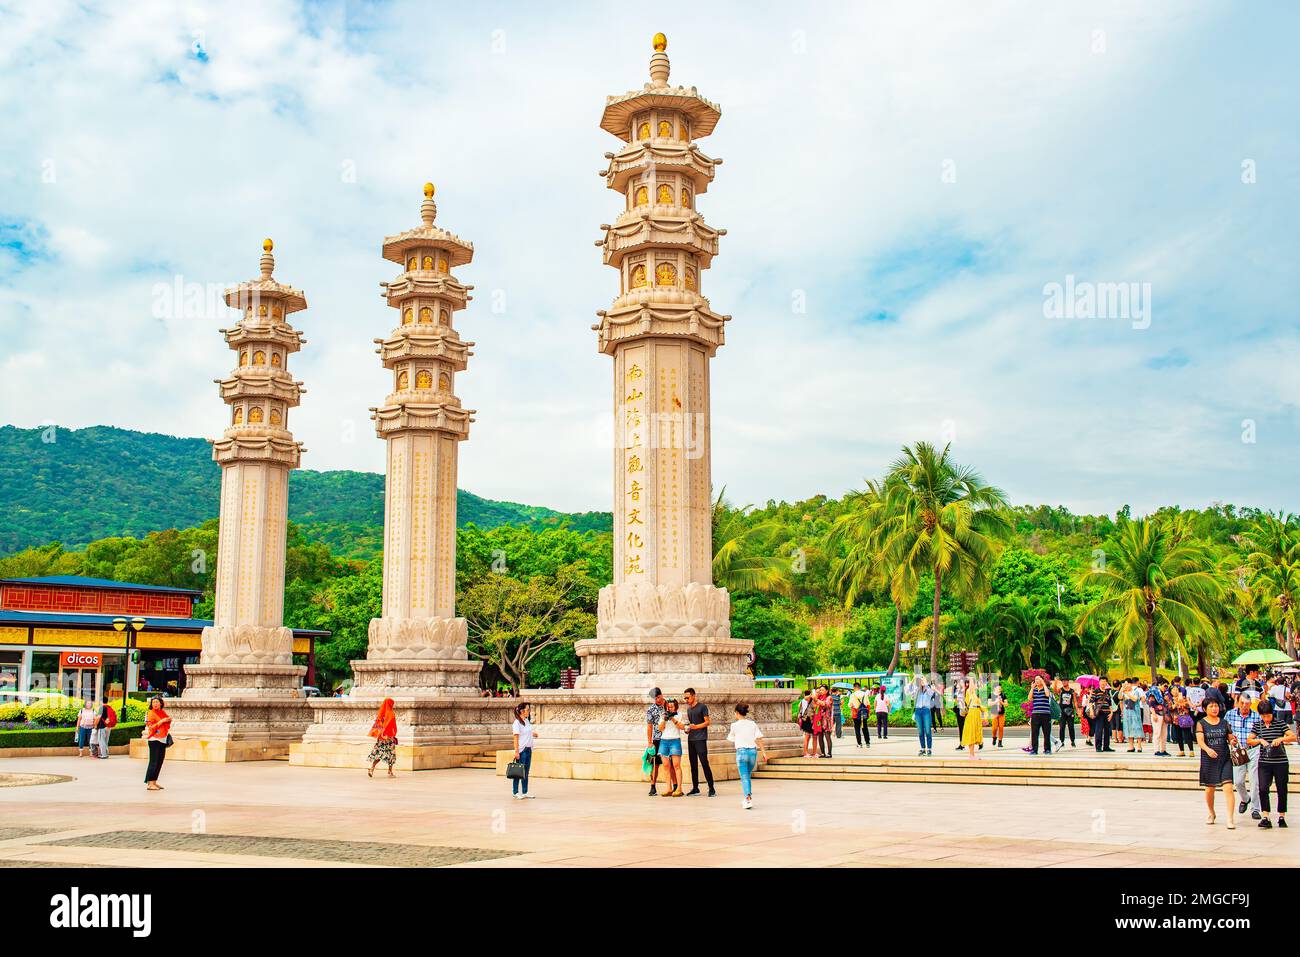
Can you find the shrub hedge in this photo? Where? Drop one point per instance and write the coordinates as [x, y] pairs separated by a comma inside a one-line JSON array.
[[63, 737], [62, 712]]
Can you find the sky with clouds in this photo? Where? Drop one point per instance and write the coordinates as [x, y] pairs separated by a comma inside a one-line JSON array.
[[902, 181]]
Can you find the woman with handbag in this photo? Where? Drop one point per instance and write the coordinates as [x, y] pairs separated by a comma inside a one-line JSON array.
[[157, 731], [524, 736], [1271, 735], [1212, 735], [384, 731]]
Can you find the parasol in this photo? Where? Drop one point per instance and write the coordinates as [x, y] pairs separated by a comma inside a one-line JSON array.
[[1262, 656]]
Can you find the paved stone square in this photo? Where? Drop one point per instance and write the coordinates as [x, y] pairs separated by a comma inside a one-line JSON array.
[[268, 813]]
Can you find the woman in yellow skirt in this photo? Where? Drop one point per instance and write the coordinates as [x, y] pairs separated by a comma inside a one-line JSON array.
[[972, 732]]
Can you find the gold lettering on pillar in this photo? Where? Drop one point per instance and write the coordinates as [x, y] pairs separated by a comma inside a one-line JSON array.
[[633, 427]]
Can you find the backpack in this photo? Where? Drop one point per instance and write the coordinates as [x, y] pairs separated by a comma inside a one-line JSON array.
[[110, 716]]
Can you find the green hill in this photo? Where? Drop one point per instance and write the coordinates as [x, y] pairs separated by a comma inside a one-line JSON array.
[[78, 485]]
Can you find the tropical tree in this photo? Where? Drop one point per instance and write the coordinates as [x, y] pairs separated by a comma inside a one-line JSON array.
[[1272, 570], [945, 521], [742, 558], [512, 621], [872, 516], [1156, 591]]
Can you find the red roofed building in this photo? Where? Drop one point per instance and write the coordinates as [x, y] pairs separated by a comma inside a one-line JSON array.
[[57, 634]]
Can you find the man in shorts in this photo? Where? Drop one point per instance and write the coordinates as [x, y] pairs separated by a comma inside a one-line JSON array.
[[653, 715]]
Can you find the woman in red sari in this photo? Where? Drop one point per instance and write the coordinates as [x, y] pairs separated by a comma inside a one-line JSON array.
[[384, 731], [157, 729]]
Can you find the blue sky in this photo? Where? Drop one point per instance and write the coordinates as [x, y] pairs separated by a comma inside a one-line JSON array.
[[916, 173]]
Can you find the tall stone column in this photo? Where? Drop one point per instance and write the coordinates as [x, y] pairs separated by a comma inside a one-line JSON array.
[[417, 647], [243, 700], [662, 613], [661, 622]]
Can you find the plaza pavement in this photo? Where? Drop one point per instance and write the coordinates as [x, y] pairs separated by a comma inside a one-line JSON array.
[[271, 814]]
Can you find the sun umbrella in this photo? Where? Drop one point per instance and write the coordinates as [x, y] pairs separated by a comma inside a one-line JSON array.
[[841, 684], [1088, 681], [1261, 656]]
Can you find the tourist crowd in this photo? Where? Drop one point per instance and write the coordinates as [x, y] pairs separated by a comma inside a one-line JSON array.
[[1240, 730]]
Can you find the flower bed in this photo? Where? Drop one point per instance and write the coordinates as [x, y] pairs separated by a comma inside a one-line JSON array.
[[30, 737]]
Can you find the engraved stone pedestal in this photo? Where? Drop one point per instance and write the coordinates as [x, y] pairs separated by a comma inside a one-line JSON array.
[[236, 712], [598, 730], [441, 720], [601, 735]]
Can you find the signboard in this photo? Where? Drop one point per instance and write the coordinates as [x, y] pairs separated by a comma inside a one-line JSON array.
[[80, 659]]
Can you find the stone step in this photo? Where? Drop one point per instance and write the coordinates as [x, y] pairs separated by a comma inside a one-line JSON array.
[[486, 761], [1044, 771], [899, 777], [1156, 767]]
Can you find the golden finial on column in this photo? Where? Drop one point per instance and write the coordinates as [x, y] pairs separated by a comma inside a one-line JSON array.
[[268, 261], [428, 209], [659, 61]]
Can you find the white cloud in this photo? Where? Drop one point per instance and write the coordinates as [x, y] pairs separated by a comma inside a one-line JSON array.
[[1112, 166]]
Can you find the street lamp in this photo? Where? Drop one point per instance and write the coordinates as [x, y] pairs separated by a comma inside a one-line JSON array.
[[130, 627]]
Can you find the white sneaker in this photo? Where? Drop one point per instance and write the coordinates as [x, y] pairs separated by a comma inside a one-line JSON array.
[[749, 804], [519, 797], [528, 797]]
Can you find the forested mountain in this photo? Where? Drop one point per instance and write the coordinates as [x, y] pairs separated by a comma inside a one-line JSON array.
[[78, 485]]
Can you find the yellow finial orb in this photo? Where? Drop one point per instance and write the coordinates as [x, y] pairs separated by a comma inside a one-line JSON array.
[[267, 245], [428, 190], [661, 43]]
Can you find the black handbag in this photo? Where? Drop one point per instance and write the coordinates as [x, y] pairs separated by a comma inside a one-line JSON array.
[[515, 769], [169, 742]]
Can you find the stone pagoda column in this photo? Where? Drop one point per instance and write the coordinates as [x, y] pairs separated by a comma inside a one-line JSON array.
[[662, 613], [661, 622], [417, 647], [244, 698]]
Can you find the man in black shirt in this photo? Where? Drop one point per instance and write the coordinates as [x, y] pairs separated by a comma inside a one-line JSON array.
[[1099, 716], [697, 741]]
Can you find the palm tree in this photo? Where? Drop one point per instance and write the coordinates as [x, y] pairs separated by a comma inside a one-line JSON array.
[[1156, 591], [1272, 567], [943, 521], [740, 562], [870, 518]]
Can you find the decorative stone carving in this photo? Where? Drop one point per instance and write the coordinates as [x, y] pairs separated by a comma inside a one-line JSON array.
[[417, 638], [246, 645], [640, 609]]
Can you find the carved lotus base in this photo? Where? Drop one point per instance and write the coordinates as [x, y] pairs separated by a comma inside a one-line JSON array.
[[645, 610], [407, 639], [432, 732], [432, 677], [246, 645], [664, 662]]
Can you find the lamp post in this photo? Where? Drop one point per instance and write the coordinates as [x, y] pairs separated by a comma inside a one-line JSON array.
[[130, 627]]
